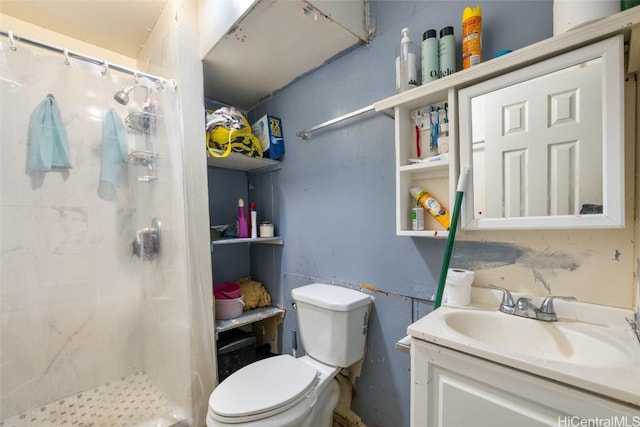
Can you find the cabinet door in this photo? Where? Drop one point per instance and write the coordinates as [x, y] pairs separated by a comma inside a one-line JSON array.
[[460, 400], [453, 389]]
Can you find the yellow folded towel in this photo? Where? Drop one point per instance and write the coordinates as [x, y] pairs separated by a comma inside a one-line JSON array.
[[255, 294]]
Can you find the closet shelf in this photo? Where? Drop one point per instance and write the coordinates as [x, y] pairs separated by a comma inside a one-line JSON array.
[[268, 240], [248, 317]]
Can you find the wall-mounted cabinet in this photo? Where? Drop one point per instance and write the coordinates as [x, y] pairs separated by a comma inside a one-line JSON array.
[[440, 177], [255, 47], [545, 144]]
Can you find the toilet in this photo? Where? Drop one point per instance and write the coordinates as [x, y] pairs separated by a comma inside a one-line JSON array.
[[284, 391]]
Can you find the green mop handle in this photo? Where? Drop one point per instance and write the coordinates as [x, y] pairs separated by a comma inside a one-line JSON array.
[[462, 183]]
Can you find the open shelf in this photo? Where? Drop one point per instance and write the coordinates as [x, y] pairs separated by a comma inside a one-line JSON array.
[[241, 162], [276, 240], [437, 90], [248, 317]]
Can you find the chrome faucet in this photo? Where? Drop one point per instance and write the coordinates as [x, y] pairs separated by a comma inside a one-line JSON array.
[[525, 308]]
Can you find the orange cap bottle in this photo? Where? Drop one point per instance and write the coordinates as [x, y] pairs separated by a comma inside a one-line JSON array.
[[429, 203], [471, 37]]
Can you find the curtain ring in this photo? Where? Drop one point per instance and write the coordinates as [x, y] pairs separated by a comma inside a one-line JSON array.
[[12, 41], [65, 52], [105, 67], [136, 77], [160, 84]]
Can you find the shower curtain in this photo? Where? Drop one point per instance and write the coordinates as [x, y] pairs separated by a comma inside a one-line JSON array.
[[81, 313]]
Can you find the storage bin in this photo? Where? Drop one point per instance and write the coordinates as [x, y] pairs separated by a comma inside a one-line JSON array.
[[229, 308], [236, 349]]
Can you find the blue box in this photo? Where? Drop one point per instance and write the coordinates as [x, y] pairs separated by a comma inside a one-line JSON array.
[[269, 131]]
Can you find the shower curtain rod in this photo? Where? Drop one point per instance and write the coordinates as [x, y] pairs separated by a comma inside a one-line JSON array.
[[71, 54]]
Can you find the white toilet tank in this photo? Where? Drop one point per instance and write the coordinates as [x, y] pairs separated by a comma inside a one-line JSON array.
[[332, 322]]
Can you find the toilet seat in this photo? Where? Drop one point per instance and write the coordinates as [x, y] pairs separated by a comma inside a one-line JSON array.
[[263, 389]]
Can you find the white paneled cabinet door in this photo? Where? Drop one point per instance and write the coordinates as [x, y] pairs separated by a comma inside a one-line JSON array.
[[545, 156]]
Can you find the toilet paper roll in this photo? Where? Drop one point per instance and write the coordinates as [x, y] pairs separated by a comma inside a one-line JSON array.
[[457, 287], [568, 14]]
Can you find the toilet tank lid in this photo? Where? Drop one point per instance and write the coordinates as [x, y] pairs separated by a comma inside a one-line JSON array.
[[331, 297]]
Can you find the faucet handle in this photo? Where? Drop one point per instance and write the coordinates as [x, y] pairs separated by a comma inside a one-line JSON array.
[[507, 305], [547, 311]]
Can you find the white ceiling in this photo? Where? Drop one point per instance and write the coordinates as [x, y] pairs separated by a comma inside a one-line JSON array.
[[121, 26]]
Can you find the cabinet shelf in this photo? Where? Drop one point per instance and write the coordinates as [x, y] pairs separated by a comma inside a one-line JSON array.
[[426, 169], [434, 234], [248, 317], [238, 161]]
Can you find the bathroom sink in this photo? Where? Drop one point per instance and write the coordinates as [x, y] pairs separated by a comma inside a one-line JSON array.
[[591, 347], [565, 342]]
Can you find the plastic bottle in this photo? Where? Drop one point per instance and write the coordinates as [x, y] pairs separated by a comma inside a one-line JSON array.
[[447, 52], [242, 220], [406, 71], [439, 212], [471, 36], [253, 220], [430, 62]]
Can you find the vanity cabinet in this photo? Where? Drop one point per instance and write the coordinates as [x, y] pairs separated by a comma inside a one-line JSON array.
[[452, 389], [234, 254], [440, 177]]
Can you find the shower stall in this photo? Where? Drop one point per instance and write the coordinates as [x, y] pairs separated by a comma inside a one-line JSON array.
[[99, 317]]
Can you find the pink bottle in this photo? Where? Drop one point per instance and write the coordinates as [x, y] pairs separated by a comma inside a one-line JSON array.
[[243, 230]]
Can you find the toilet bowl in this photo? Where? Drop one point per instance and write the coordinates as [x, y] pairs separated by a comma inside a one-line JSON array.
[[280, 391], [283, 391]]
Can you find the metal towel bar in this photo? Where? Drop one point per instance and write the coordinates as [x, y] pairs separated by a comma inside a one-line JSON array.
[[304, 134]]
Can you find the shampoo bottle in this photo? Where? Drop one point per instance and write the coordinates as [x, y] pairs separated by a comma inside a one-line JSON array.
[[447, 54], [439, 212], [242, 220], [406, 64], [430, 63]]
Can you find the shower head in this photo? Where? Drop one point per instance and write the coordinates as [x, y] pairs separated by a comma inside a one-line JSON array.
[[122, 96]]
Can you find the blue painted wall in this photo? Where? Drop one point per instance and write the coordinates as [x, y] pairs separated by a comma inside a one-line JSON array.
[[333, 198]]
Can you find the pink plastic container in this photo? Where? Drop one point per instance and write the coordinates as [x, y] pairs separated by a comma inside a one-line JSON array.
[[226, 290], [229, 308]]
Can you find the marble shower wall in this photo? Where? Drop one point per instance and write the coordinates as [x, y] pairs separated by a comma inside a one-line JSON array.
[[70, 289]]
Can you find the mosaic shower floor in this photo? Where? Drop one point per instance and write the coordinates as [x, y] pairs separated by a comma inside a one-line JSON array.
[[131, 401]]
